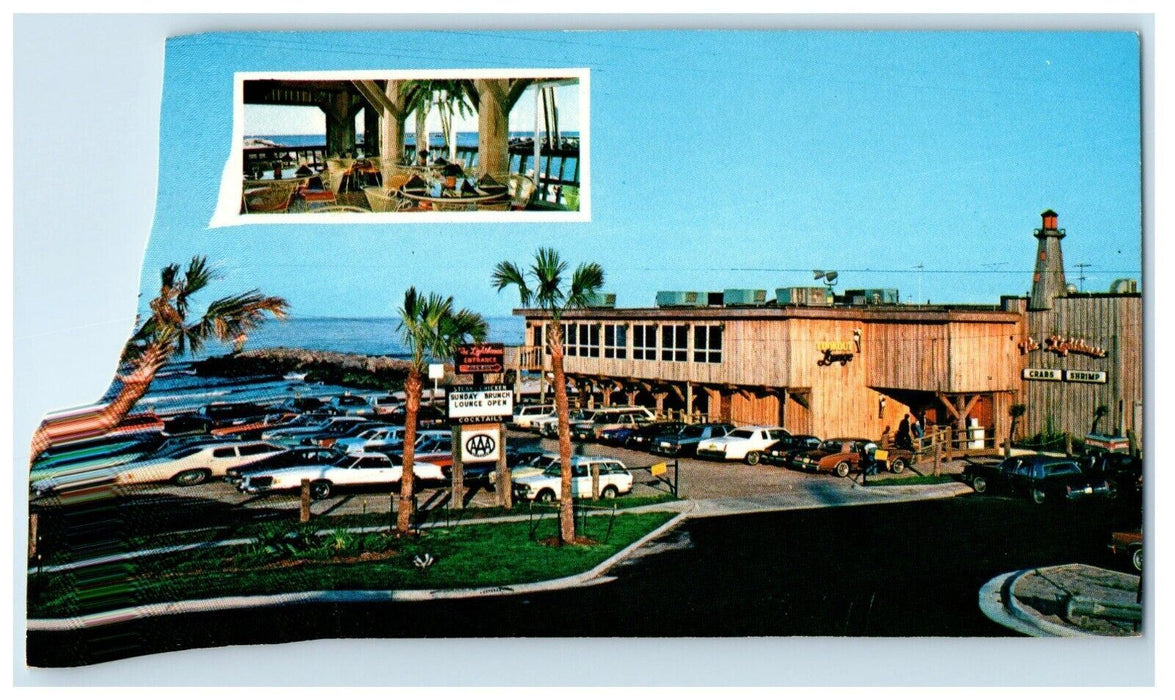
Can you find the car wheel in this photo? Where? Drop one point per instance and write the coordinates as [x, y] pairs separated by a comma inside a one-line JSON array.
[[979, 484], [545, 496], [320, 490], [1136, 559], [897, 466], [609, 492], [841, 469], [191, 477], [1038, 496], [753, 457]]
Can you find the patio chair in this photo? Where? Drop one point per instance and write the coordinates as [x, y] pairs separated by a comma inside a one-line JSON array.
[[502, 204], [336, 168], [381, 200], [268, 196]]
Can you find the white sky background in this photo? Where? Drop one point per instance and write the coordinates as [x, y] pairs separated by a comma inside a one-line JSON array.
[[280, 120]]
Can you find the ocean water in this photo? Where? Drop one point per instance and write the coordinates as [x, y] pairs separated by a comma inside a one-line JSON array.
[[363, 336]]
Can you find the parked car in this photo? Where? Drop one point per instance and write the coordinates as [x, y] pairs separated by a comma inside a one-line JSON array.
[[546, 486], [294, 456], [1056, 479], [685, 442], [426, 417], [436, 448], [638, 437], [549, 426], [214, 415], [527, 462], [1123, 470], [608, 418], [351, 405], [1128, 543], [642, 437], [101, 448], [369, 439], [524, 416], [300, 404], [186, 467], [741, 444], [328, 425], [1040, 477], [254, 429], [843, 455], [384, 404], [361, 469], [785, 450]]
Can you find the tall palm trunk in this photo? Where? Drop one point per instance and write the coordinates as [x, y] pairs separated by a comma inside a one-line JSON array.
[[134, 385], [411, 410], [566, 504]]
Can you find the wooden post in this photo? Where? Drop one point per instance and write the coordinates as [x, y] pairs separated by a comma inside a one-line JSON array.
[[504, 488], [689, 402], [938, 454], [595, 481], [33, 522], [457, 497], [304, 511]]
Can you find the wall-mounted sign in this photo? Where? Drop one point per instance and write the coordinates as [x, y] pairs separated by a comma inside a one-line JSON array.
[[1064, 346], [481, 358], [1080, 375], [483, 404], [1049, 375], [1061, 346], [480, 445], [835, 351]]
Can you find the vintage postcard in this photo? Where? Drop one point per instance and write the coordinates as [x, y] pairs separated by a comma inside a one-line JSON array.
[[616, 334]]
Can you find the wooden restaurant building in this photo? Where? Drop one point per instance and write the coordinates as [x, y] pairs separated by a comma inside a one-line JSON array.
[[855, 364]]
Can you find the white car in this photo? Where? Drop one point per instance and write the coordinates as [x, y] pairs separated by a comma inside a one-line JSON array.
[[187, 466], [352, 470], [741, 443], [295, 435], [388, 437], [546, 486], [524, 416]]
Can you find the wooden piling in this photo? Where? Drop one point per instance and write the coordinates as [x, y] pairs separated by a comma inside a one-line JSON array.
[[304, 511]]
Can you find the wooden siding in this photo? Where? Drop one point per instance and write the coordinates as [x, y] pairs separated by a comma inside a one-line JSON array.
[[1111, 322]]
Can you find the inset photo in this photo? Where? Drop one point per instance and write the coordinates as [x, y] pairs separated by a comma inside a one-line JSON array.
[[409, 147]]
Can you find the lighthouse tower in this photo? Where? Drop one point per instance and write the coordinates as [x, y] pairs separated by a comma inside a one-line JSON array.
[[1048, 282]]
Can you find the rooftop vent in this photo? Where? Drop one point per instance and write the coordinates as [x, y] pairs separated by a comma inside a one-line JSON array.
[[680, 299], [871, 297], [803, 296], [601, 300], [744, 297], [1124, 286]]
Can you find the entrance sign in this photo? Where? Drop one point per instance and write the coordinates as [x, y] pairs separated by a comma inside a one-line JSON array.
[[1050, 375], [480, 445], [483, 404], [481, 358]]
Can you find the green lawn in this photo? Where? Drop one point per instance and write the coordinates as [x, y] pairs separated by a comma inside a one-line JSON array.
[[288, 559]]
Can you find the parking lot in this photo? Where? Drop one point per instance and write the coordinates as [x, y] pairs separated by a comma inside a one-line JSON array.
[[699, 479]]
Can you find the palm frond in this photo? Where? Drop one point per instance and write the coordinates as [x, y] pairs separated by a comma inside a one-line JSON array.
[[196, 278], [508, 273], [585, 283], [548, 272]]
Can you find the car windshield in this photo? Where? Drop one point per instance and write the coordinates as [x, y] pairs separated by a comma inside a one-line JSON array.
[[742, 434], [187, 452], [553, 470], [831, 445]]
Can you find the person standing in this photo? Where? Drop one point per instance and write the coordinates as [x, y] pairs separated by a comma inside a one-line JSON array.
[[902, 439]]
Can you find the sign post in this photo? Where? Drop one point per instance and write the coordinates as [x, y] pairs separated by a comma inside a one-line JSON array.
[[436, 372], [478, 414]]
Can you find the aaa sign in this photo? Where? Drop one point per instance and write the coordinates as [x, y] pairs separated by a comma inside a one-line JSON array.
[[479, 445]]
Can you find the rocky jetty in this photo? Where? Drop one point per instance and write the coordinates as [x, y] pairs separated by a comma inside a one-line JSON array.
[[359, 371]]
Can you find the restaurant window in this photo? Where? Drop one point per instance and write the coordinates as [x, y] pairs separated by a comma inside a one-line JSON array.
[[644, 341], [570, 339], [589, 339], [537, 335], [674, 343], [615, 341], [708, 344]]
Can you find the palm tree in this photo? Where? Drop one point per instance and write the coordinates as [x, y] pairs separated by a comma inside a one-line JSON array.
[[450, 97], [430, 330], [163, 335], [542, 286]]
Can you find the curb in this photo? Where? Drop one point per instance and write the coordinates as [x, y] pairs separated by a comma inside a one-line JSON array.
[[591, 577], [997, 600]]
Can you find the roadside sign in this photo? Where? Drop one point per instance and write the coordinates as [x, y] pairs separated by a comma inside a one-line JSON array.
[[659, 468], [480, 445], [436, 370], [480, 358], [483, 404]]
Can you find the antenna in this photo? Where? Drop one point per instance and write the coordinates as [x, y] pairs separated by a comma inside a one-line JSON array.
[[1081, 276], [919, 267]]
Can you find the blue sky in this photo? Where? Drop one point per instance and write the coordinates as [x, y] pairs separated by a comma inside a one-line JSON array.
[[719, 160]]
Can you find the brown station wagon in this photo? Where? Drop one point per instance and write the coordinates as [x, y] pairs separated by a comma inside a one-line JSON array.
[[842, 455]]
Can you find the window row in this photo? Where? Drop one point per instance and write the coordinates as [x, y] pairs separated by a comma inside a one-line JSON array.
[[669, 342]]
